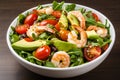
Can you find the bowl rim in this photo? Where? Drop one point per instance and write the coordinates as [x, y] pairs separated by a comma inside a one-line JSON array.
[[50, 68]]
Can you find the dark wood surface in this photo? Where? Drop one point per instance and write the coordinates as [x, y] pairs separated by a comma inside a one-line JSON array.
[[10, 69]]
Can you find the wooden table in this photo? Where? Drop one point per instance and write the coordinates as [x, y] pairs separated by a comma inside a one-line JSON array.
[[10, 69]]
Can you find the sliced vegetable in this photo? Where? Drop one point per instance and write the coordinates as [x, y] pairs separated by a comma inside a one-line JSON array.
[[63, 34], [63, 22], [48, 21], [92, 52], [57, 14], [30, 19], [43, 52], [21, 29]]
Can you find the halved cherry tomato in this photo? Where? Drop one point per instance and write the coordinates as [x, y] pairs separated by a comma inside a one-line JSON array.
[[57, 14], [95, 16], [57, 27], [63, 34], [21, 29], [104, 48], [42, 52], [30, 19], [48, 21], [28, 39], [92, 53]]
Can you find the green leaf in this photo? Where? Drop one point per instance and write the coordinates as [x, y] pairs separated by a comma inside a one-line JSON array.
[[76, 51], [44, 36], [21, 18], [57, 6], [14, 38], [49, 64], [70, 7], [39, 7]]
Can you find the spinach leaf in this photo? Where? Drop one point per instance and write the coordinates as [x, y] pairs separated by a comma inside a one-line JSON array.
[[57, 6], [70, 7]]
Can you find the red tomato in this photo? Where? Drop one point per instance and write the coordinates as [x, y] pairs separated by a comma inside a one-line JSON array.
[[42, 52], [57, 14], [92, 53], [57, 27], [104, 48], [30, 19], [48, 21], [28, 39], [34, 11], [21, 29], [63, 34], [95, 16]]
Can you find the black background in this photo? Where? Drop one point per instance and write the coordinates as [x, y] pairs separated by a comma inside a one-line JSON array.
[[10, 69]]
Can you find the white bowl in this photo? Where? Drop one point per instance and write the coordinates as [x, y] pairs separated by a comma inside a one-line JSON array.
[[64, 72]]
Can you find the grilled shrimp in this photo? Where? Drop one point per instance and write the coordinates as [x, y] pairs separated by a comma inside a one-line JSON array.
[[80, 17], [36, 30], [72, 37], [61, 59], [47, 10], [102, 32]]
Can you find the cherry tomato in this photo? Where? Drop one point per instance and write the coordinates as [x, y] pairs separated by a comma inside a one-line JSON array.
[[92, 53], [104, 48], [34, 11], [57, 27], [48, 21], [30, 19], [21, 29], [28, 39], [57, 14], [95, 16], [63, 34], [42, 52]]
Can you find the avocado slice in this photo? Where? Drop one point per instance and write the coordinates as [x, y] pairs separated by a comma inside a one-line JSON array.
[[28, 46], [73, 20], [92, 34], [63, 21], [62, 45]]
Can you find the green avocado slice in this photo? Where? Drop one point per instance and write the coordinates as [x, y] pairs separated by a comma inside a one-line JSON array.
[[92, 34], [28, 46], [62, 45], [63, 21]]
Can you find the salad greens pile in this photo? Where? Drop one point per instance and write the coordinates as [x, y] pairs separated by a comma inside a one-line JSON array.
[[49, 30]]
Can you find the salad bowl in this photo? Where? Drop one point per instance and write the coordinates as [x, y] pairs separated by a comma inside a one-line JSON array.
[[69, 71]]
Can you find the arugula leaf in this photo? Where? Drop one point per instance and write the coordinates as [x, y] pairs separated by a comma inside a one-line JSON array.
[[39, 7], [57, 6], [21, 18], [49, 64], [70, 7], [14, 38], [45, 16], [91, 21]]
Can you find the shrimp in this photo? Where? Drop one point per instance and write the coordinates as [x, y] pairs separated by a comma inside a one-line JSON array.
[[102, 32], [80, 17], [61, 59], [36, 30], [47, 10], [32, 30], [72, 37]]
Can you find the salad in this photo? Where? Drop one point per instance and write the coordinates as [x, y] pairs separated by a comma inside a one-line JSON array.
[[59, 35]]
